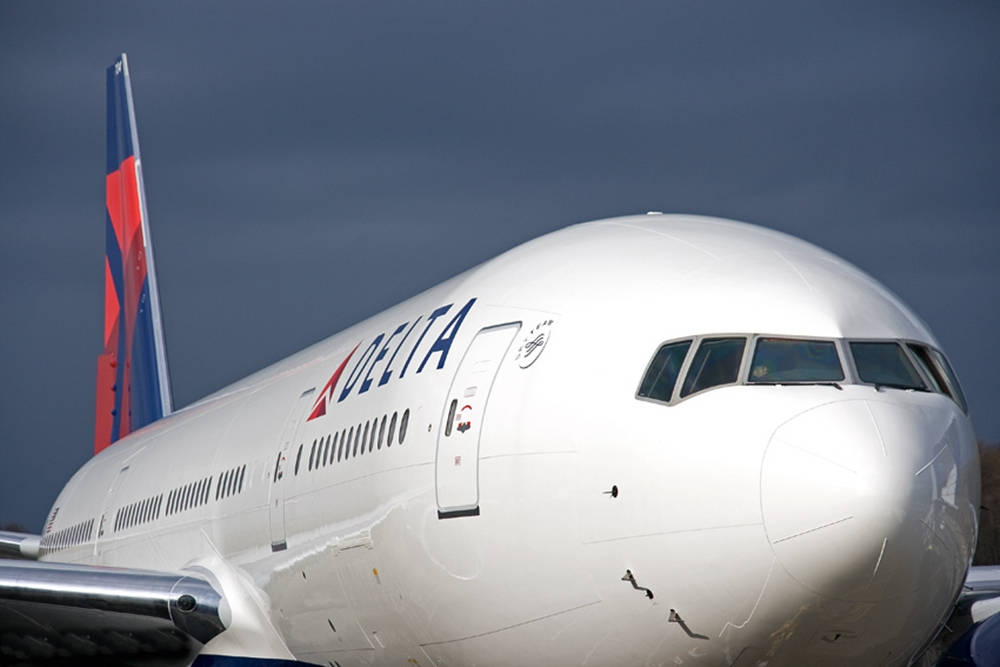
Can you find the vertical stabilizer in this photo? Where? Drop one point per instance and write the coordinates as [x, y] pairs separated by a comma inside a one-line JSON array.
[[133, 386]]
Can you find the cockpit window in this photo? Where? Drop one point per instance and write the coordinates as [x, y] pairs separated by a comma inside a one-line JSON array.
[[716, 362], [937, 368], [956, 388], [779, 360], [885, 364], [930, 369], [661, 376]]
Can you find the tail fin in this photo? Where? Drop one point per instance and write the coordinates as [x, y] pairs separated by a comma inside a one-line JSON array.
[[133, 388]]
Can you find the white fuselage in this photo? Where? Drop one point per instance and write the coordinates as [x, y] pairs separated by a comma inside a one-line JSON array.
[[796, 524]]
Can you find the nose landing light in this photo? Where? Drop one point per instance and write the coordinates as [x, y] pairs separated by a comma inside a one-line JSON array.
[[866, 501]]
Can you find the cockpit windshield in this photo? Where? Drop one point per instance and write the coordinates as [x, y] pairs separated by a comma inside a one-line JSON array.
[[786, 360], [956, 389], [885, 364], [937, 368], [683, 367], [661, 376], [716, 362]]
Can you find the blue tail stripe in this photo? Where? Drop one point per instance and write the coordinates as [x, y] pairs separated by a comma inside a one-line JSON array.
[[114, 255], [146, 405], [119, 142]]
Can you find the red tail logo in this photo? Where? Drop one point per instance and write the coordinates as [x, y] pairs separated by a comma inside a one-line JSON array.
[[319, 407]]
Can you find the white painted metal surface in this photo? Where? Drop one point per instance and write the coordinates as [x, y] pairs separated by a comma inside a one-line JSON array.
[[778, 525]]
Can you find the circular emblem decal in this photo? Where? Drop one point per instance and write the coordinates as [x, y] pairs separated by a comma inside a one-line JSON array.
[[534, 343]]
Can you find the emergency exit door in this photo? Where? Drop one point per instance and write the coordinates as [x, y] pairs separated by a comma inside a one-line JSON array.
[[276, 495], [457, 464]]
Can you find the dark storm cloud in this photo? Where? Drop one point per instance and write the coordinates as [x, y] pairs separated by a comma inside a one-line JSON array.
[[308, 164]]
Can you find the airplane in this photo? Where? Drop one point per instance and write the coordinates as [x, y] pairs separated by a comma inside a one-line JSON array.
[[652, 439]]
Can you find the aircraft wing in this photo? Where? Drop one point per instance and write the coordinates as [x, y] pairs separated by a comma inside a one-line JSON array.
[[981, 586], [69, 614], [971, 635], [19, 545]]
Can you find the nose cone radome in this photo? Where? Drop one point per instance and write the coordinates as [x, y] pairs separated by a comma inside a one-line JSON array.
[[874, 500]]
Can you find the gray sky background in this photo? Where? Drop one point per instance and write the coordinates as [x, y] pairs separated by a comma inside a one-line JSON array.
[[308, 164]]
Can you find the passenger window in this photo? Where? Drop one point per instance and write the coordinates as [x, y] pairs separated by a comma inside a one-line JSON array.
[[381, 432], [451, 415], [298, 460], [661, 376], [716, 362], [392, 430], [885, 364], [277, 465], [402, 425], [778, 360]]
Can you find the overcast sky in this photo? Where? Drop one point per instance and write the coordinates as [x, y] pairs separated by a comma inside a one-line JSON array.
[[308, 164]]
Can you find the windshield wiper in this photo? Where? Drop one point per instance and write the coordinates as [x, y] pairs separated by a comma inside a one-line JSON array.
[[879, 386], [806, 383]]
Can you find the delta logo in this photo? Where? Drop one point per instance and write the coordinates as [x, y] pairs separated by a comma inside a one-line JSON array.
[[376, 367]]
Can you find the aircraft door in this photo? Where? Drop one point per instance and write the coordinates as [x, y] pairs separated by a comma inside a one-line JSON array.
[[457, 463], [277, 487], [105, 526]]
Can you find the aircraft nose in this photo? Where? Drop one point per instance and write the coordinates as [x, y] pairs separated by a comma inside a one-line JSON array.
[[869, 500]]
